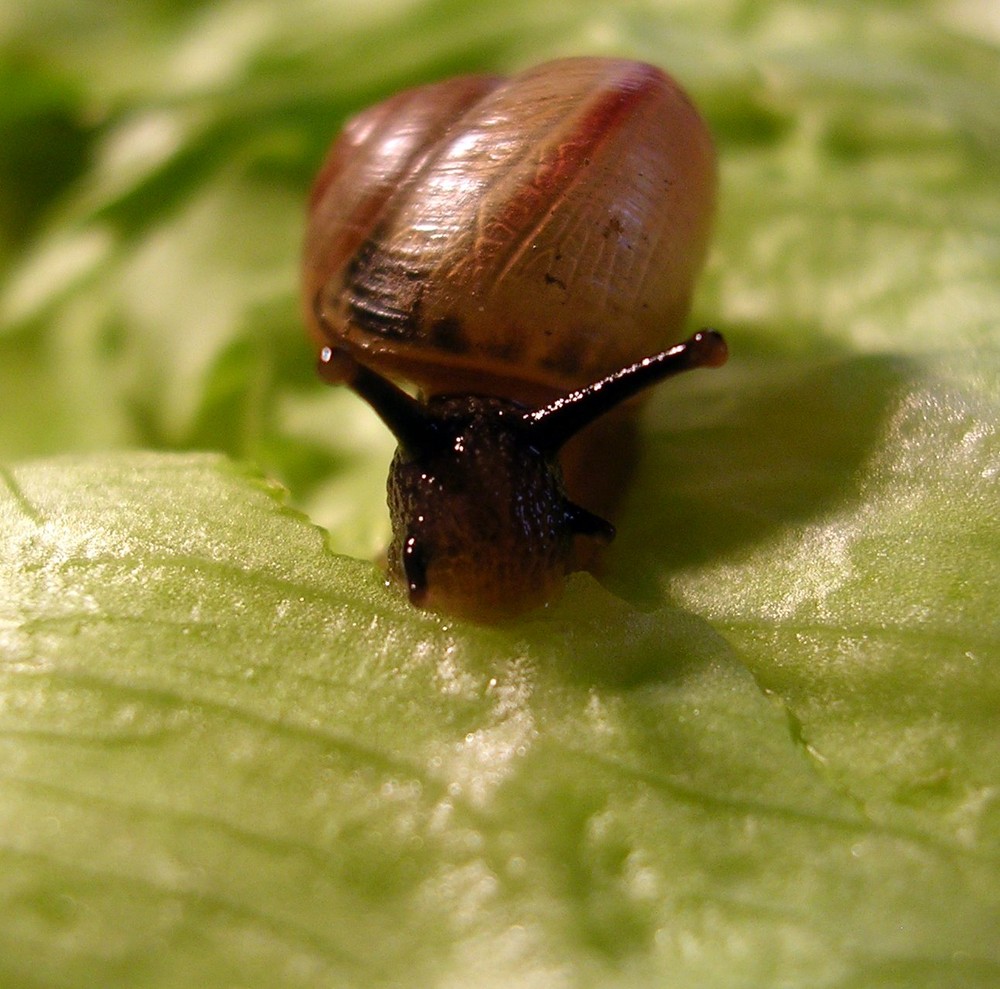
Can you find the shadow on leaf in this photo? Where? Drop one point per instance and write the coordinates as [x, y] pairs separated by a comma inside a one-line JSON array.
[[732, 459]]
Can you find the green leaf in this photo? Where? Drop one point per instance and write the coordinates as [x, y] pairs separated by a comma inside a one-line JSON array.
[[764, 750], [231, 757]]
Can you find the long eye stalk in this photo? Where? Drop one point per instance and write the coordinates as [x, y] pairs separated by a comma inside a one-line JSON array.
[[553, 424], [404, 415]]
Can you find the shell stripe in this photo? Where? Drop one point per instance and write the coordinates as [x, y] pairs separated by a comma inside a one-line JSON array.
[[565, 166]]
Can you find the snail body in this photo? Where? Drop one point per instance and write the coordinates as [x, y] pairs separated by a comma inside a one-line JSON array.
[[510, 246]]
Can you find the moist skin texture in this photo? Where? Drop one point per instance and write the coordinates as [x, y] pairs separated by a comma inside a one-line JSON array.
[[481, 523]]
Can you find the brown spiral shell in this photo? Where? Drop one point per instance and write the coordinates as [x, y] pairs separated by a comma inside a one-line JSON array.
[[512, 236]]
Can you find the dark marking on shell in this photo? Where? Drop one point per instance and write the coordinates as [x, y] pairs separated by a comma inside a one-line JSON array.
[[507, 349], [614, 227], [566, 358], [383, 295], [448, 334]]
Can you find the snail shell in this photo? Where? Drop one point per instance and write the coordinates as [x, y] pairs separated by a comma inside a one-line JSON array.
[[512, 237]]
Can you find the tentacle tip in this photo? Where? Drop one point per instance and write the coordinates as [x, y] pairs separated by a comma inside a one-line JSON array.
[[585, 523], [336, 366], [606, 534], [710, 348]]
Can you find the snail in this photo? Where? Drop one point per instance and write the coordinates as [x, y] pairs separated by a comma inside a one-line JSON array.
[[523, 251]]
